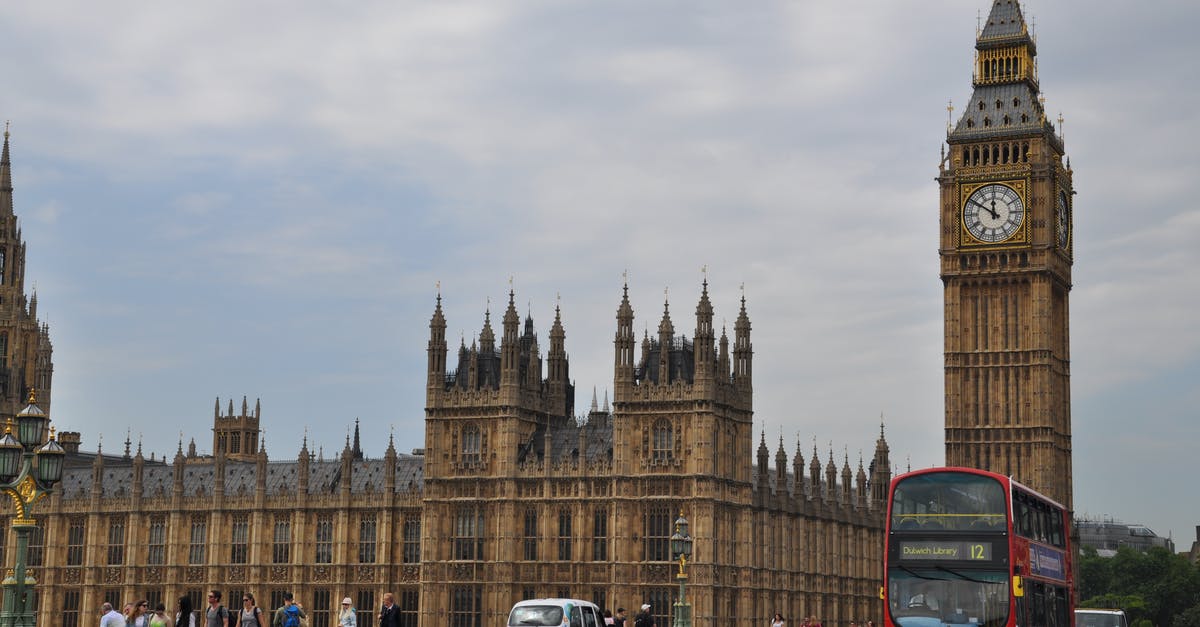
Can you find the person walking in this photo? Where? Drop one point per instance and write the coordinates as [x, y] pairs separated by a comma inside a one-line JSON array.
[[216, 615], [140, 616], [110, 617], [777, 621], [159, 617], [185, 617], [347, 617], [389, 614], [644, 618], [289, 614], [619, 619], [250, 615]]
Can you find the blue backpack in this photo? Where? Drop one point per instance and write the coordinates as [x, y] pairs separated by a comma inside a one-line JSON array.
[[291, 616]]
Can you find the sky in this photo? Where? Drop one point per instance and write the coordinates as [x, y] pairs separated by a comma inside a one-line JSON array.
[[224, 199]]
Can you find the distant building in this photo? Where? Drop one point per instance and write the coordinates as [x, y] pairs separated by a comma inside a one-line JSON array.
[[1106, 536], [1194, 554]]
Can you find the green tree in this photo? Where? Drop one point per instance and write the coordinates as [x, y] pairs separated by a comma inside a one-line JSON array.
[[1187, 618], [1156, 585]]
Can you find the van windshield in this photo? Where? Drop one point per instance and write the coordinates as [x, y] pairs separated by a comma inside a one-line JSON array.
[[536, 615]]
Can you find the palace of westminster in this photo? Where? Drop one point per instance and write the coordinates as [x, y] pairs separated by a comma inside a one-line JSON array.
[[515, 496]]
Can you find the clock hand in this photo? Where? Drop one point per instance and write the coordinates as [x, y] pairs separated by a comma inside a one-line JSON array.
[[995, 216]]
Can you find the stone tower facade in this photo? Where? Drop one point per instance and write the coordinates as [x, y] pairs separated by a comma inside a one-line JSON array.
[[26, 355], [524, 499], [1006, 251], [236, 435]]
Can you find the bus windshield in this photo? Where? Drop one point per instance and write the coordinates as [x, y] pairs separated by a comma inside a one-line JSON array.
[[950, 501], [935, 596]]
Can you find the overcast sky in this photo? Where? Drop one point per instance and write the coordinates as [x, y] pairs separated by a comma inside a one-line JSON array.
[[225, 199]]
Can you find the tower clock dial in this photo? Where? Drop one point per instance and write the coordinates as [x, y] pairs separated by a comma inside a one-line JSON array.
[[993, 213], [1062, 221]]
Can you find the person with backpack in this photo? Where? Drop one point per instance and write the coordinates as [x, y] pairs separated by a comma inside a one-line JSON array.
[[644, 618], [289, 614], [216, 615], [250, 615]]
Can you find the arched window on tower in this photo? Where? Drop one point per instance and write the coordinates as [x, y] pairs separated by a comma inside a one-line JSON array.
[[471, 444], [664, 440]]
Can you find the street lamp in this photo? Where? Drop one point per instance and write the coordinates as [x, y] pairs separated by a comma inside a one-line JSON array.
[[681, 549], [30, 465]]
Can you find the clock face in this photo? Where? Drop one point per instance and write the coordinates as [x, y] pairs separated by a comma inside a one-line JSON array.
[[993, 213], [1062, 221]]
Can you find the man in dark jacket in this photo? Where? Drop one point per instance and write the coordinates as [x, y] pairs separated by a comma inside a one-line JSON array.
[[389, 614], [644, 618]]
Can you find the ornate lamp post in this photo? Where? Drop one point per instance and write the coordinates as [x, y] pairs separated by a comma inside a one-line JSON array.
[[30, 465], [681, 549]]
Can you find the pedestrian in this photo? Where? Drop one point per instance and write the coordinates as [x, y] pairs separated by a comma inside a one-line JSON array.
[[250, 615], [110, 617], [644, 618], [289, 614], [389, 614], [619, 619], [777, 621], [608, 617], [347, 617], [185, 617], [159, 618], [216, 615], [140, 617]]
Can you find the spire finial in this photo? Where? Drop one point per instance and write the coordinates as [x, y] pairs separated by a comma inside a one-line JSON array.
[[949, 115], [6, 123], [704, 271]]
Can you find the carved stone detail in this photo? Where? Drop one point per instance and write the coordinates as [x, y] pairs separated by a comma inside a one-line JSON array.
[[364, 573], [194, 574], [410, 573], [235, 574], [321, 574], [114, 575], [279, 573], [72, 576]]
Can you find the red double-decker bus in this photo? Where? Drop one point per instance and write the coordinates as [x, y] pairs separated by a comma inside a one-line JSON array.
[[974, 548]]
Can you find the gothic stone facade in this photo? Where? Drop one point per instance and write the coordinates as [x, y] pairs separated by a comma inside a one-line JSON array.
[[513, 497], [1007, 216]]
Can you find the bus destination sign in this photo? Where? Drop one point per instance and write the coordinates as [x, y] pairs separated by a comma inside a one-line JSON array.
[[945, 550]]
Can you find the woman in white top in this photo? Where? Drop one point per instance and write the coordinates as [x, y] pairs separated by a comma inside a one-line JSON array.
[[777, 621]]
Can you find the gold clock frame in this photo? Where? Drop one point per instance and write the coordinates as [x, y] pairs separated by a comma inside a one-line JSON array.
[[1020, 236]]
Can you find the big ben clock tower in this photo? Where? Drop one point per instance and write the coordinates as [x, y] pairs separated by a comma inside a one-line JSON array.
[[1006, 253]]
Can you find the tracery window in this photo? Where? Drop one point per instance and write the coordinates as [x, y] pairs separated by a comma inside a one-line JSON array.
[[468, 533], [366, 538], [76, 532], [156, 546], [116, 540], [239, 548], [531, 535], [471, 444], [664, 440], [412, 538], [197, 540], [324, 553], [657, 533], [564, 535], [281, 550]]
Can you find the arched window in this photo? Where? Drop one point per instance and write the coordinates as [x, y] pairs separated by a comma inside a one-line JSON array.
[[664, 440], [471, 444]]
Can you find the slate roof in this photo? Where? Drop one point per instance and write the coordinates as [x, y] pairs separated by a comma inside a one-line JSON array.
[[1004, 21], [1016, 100]]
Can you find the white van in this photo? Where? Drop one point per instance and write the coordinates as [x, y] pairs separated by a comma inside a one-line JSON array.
[[555, 613], [1087, 617]]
